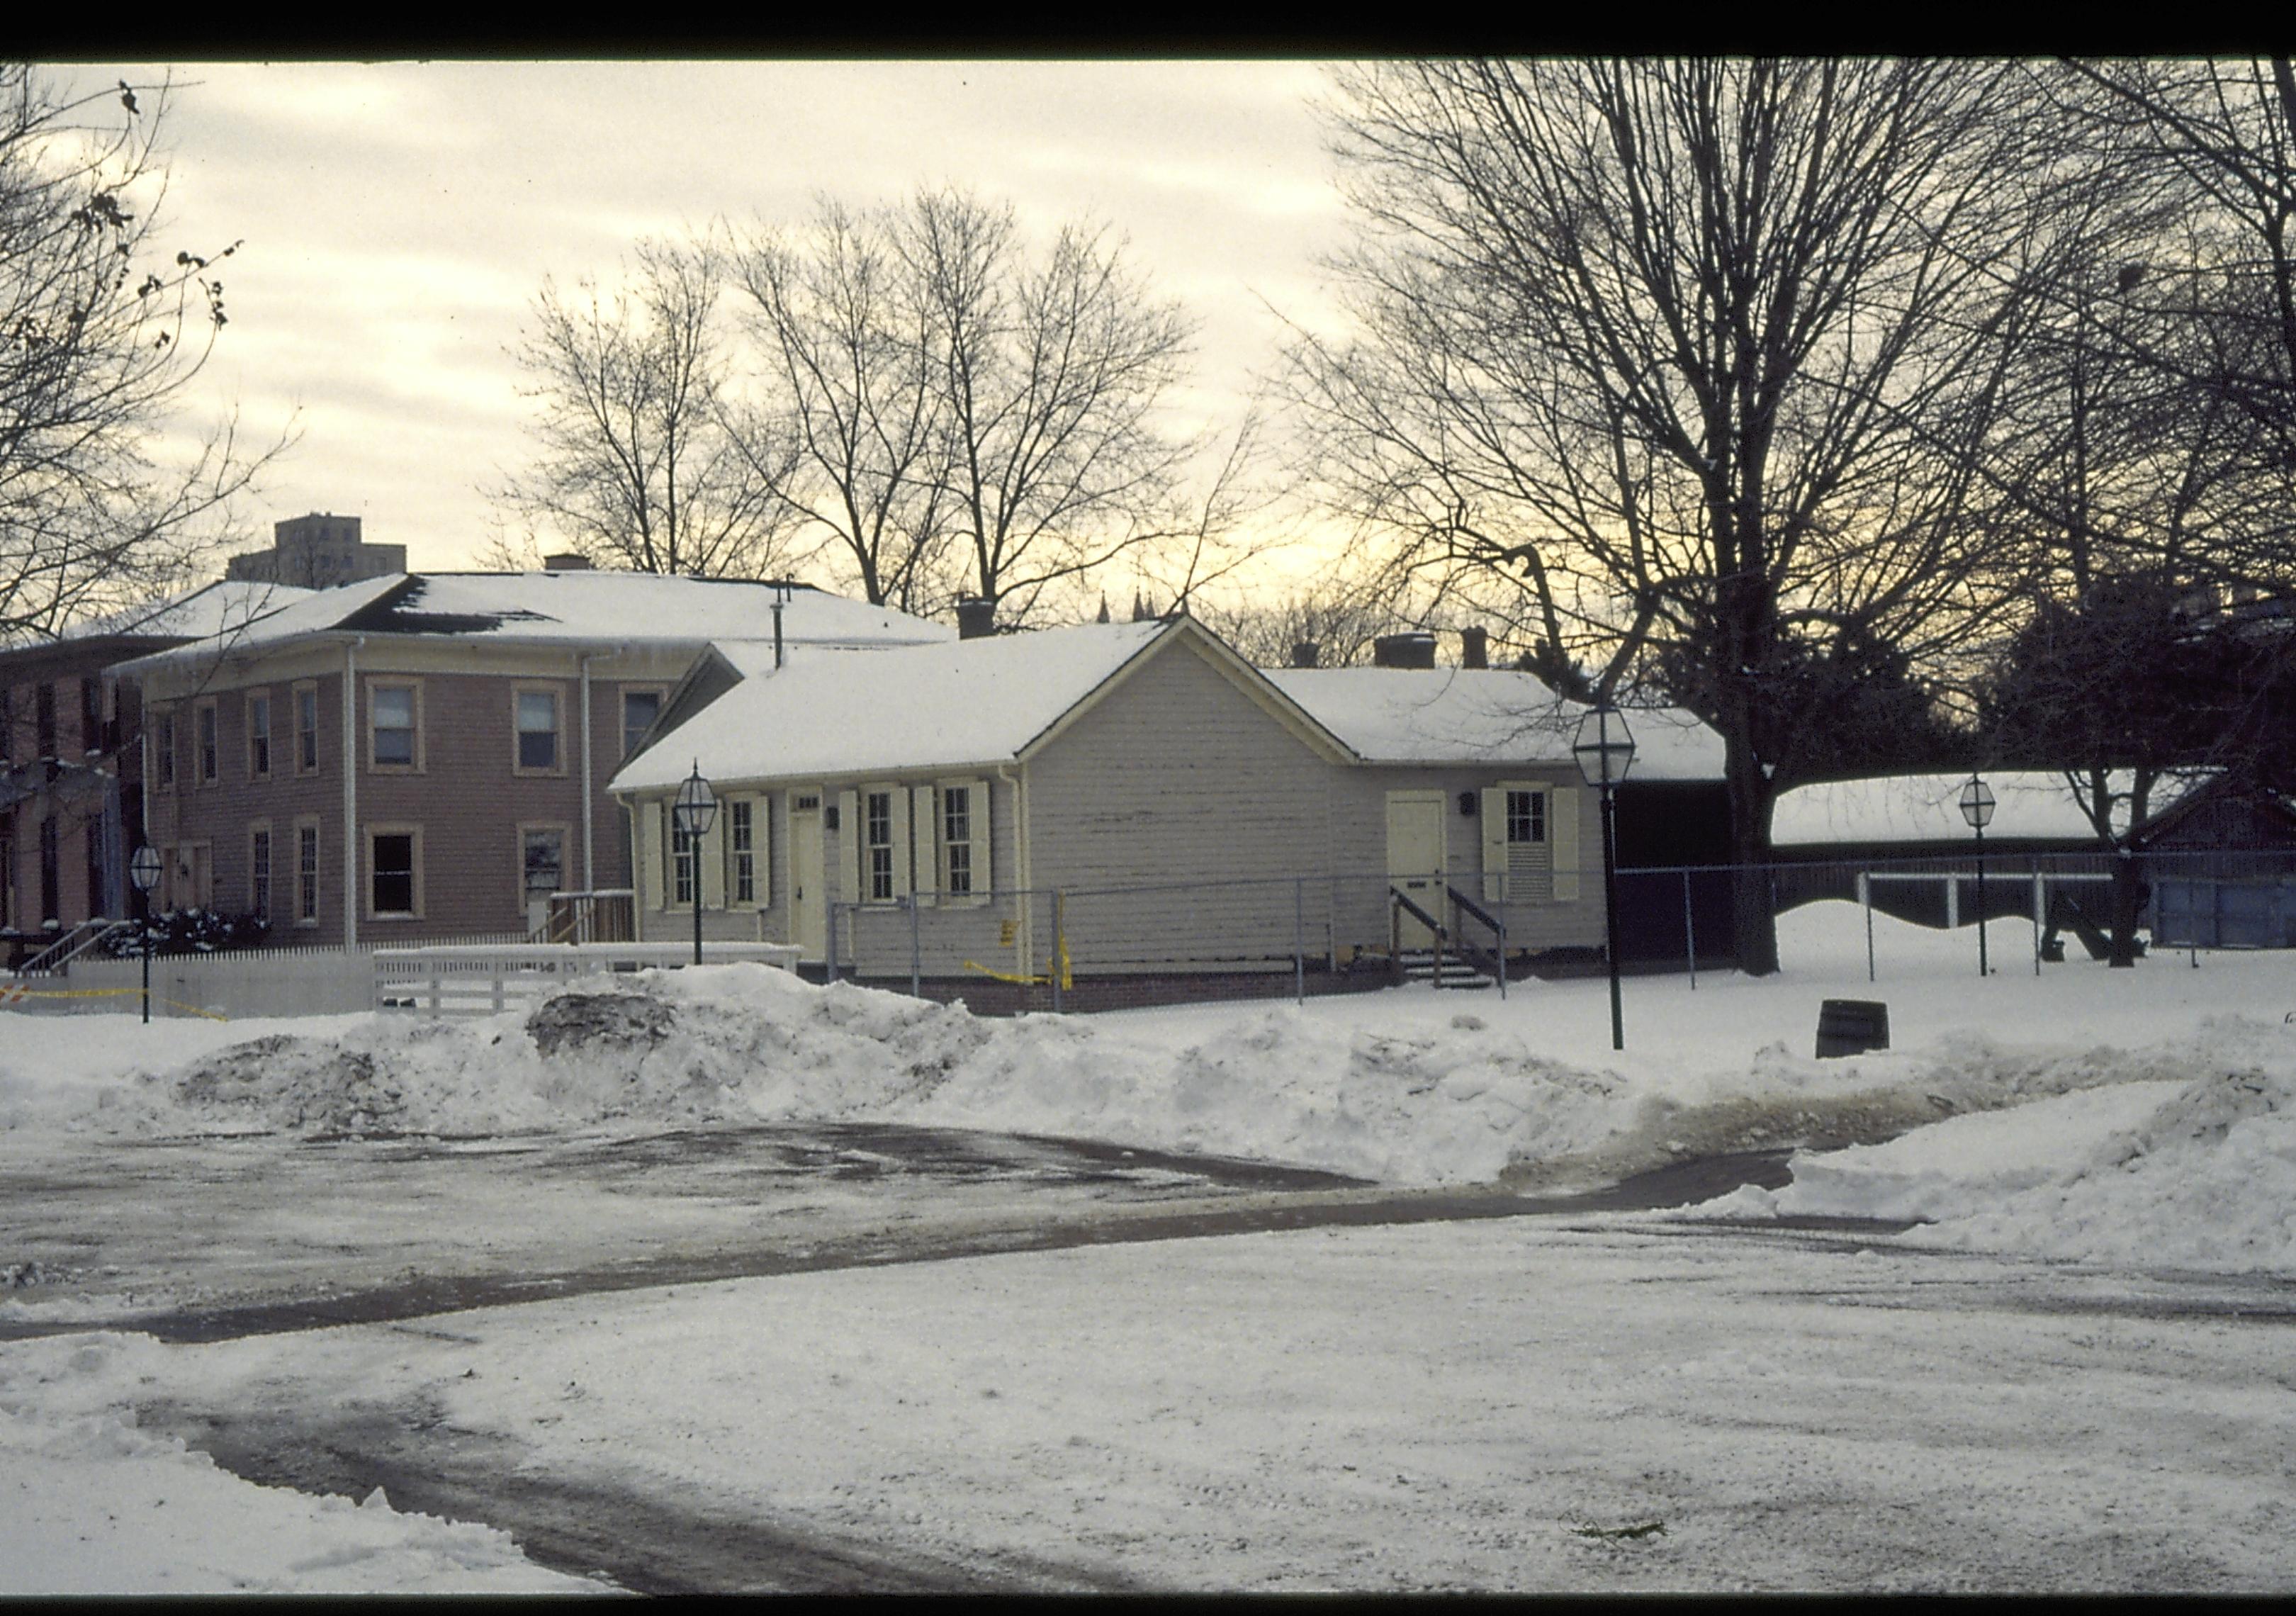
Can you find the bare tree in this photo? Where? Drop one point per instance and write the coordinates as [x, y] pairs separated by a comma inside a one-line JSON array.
[[1052, 369], [101, 335], [846, 339], [1687, 359], [643, 462]]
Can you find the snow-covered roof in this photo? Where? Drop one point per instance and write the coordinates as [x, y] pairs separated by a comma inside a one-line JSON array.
[[210, 610], [623, 607], [837, 712], [2028, 804], [1484, 715]]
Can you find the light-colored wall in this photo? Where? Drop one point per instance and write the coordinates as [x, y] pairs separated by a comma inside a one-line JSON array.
[[1178, 774]]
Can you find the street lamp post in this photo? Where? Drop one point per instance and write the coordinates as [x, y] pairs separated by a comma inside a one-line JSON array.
[[1977, 809], [1605, 750], [143, 871], [695, 812]]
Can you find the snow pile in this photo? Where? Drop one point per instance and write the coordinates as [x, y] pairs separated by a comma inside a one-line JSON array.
[[92, 1504], [2196, 1173]]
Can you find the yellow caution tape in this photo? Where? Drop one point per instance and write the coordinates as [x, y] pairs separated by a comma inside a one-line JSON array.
[[11, 995]]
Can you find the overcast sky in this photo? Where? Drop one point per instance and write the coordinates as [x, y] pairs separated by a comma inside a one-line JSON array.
[[398, 219]]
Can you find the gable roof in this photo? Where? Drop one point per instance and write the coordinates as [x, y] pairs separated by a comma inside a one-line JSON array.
[[973, 703], [588, 607], [1484, 715], [2031, 805]]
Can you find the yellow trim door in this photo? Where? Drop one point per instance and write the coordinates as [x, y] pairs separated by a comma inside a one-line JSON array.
[[1415, 859]]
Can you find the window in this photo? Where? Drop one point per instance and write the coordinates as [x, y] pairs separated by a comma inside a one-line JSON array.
[[683, 864], [392, 710], [1525, 817], [394, 860], [307, 729], [1530, 842], [307, 873], [877, 845], [210, 754], [542, 861], [538, 731], [956, 840], [741, 851], [163, 747], [258, 870], [91, 715], [44, 719], [640, 708], [259, 736]]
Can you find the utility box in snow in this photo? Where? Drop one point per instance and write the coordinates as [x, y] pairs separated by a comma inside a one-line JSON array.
[[1852, 1026]]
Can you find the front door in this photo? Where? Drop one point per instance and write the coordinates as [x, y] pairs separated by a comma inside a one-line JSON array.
[[807, 930], [1415, 860]]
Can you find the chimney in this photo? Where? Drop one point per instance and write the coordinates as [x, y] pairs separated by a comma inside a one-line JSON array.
[[566, 561], [1305, 654], [1474, 648], [976, 618], [1413, 650]]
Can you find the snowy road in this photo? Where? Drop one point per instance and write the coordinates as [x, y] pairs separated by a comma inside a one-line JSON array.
[[1592, 1404]]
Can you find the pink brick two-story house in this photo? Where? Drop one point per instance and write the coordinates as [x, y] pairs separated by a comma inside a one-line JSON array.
[[425, 756]]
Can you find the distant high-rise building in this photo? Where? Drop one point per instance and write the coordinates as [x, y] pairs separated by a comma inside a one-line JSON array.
[[317, 552]]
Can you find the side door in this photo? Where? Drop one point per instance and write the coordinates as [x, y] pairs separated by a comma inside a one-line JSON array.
[[807, 929], [1415, 859]]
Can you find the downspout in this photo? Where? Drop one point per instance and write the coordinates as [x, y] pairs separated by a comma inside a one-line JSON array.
[[351, 793]]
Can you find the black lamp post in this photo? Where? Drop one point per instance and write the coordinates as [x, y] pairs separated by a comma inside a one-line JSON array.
[[695, 812], [144, 870], [1977, 809], [1606, 750]]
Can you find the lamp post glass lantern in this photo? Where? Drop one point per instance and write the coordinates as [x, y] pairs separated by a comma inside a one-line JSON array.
[[696, 810], [1604, 749], [1977, 812], [143, 871]]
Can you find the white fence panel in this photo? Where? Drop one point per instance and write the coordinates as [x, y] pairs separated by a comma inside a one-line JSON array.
[[477, 980]]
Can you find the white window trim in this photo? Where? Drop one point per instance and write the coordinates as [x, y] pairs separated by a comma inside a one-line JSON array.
[[309, 822], [270, 733], [295, 724], [392, 682], [557, 695], [267, 906], [978, 820], [415, 896], [761, 849]]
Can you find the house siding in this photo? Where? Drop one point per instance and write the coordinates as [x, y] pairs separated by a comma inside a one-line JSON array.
[[1360, 850], [1177, 775]]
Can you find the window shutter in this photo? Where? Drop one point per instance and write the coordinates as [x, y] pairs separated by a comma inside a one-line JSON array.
[[900, 805], [711, 864], [850, 890], [1495, 845], [924, 826], [761, 838], [1562, 837]]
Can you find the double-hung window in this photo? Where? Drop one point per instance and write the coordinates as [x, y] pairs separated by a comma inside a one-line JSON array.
[[163, 750], [538, 731], [956, 841], [877, 845], [307, 873], [209, 751], [259, 736], [394, 859], [392, 711], [258, 870], [741, 851], [307, 729], [685, 863], [640, 708]]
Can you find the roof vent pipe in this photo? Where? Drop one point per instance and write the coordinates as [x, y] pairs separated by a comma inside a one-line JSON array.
[[976, 618]]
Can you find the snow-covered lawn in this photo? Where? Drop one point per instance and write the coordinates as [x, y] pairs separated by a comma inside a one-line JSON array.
[[1440, 1406]]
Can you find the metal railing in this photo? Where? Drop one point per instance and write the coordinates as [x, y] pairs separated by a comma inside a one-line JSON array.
[[56, 958]]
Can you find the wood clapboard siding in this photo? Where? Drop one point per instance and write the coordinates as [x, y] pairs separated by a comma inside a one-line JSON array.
[[1361, 847], [1177, 774]]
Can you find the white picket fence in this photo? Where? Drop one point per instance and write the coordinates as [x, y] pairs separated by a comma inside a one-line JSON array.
[[488, 979]]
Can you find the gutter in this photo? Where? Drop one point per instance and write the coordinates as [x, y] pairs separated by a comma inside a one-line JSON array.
[[350, 860]]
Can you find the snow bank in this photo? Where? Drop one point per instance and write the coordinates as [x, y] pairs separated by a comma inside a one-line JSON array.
[[94, 1506], [2192, 1173]]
